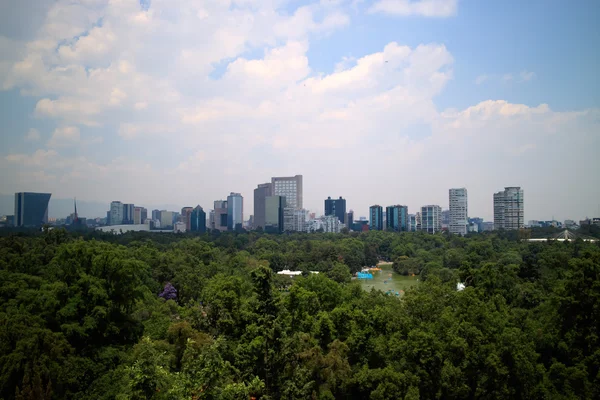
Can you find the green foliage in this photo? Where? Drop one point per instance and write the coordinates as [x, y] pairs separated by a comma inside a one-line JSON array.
[[80, 317]]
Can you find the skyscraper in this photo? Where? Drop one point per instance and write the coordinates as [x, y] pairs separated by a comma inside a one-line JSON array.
[[186, 215], [235, 211], [376, 218], [274, 209], [397, 218], [260, 194], [166, 219], [156, 215], [291, 188], [137, 215], [116, 213], [220, 215], [431, 218], [459, 211], [128, 214], [198, 220], [31, 209], [509, 208], [336, 207]]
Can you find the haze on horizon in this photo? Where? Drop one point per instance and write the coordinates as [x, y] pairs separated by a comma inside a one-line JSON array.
[[381, 102]]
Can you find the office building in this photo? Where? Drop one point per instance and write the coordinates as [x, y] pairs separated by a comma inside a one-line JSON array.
[[459, 211], [509, 209], [487, 226], [274, 209], [376, 218], [128, 214], [197, 220], [166, 219], [431, 218], [291, 188], [116, 213], [235, 211], [477, 222], [350, 219], [31, 209], [186, 217], [263, 191], [397, 218], [137, 215], [445, 218], [336, 207], [155, 215], [220, 215]]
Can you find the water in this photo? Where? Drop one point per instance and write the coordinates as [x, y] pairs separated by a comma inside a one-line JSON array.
[[387, 279]]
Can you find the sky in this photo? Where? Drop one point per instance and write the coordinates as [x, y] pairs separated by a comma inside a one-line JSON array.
[[381, 102]]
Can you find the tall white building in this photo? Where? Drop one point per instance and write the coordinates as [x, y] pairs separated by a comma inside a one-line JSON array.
[[291, 188], [459, 211], [299, 220], [509, 209], [332, 224], [431, 218]]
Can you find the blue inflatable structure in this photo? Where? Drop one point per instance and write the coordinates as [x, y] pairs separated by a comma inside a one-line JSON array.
[[364, 275]]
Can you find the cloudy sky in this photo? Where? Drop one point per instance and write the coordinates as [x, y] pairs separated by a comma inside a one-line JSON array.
[[386, 101]]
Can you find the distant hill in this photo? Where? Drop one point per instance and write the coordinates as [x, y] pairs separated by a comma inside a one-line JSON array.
[[61, 208]]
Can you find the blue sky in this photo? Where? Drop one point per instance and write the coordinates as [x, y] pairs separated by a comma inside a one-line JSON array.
[[395, 101]]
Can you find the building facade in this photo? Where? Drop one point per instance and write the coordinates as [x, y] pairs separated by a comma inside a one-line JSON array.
[[331, 224], [128, 209], [350, 219], [291, 188], [509, 209], [300, 218], [431, 218], [198, 220], [397, 218], [376, 218], [336, 207], [412, 223], [116, 213], [186, 217], [220, 215], [459, 211], [274, 209], [263, 191], [137, 215], [31, 209], [235, 211], [166, 219]]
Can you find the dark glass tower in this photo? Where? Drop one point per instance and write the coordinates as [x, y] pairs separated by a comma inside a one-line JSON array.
[[31, 209], [198, 220], [336, 207]]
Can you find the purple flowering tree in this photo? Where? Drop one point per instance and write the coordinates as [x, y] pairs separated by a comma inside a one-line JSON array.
[[169, 292]]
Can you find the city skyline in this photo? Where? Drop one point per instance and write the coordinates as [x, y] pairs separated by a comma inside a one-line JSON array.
[[106, 100]]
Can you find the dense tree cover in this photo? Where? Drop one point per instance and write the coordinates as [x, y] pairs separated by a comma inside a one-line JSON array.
[[160, 316]]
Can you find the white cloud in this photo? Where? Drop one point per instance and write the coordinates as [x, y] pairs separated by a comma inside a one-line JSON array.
[[65, 136], [526, 76], [480, 79], [426, 8], [32, 135], [507, 77]]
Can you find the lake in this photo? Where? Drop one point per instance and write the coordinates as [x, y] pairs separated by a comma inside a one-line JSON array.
[[387, 279]]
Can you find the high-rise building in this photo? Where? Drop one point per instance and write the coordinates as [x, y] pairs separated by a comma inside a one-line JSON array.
[[459, 211], [197, 220], [350, 219], [376, 218], [445, 218], [331, 224], [116, 213], [412, 222], [166, 219], [397, 218], [274, 208], [137, 215], [144, 215], [336, 207], [260, 194], [186, 217], [235, 211], [155, 215], [31, 209], [220, 215], [291, 188], [128, 214], [431, 218], [509, 208]]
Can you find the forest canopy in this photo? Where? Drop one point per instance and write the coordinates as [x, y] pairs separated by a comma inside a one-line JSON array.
[[86, 315]]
